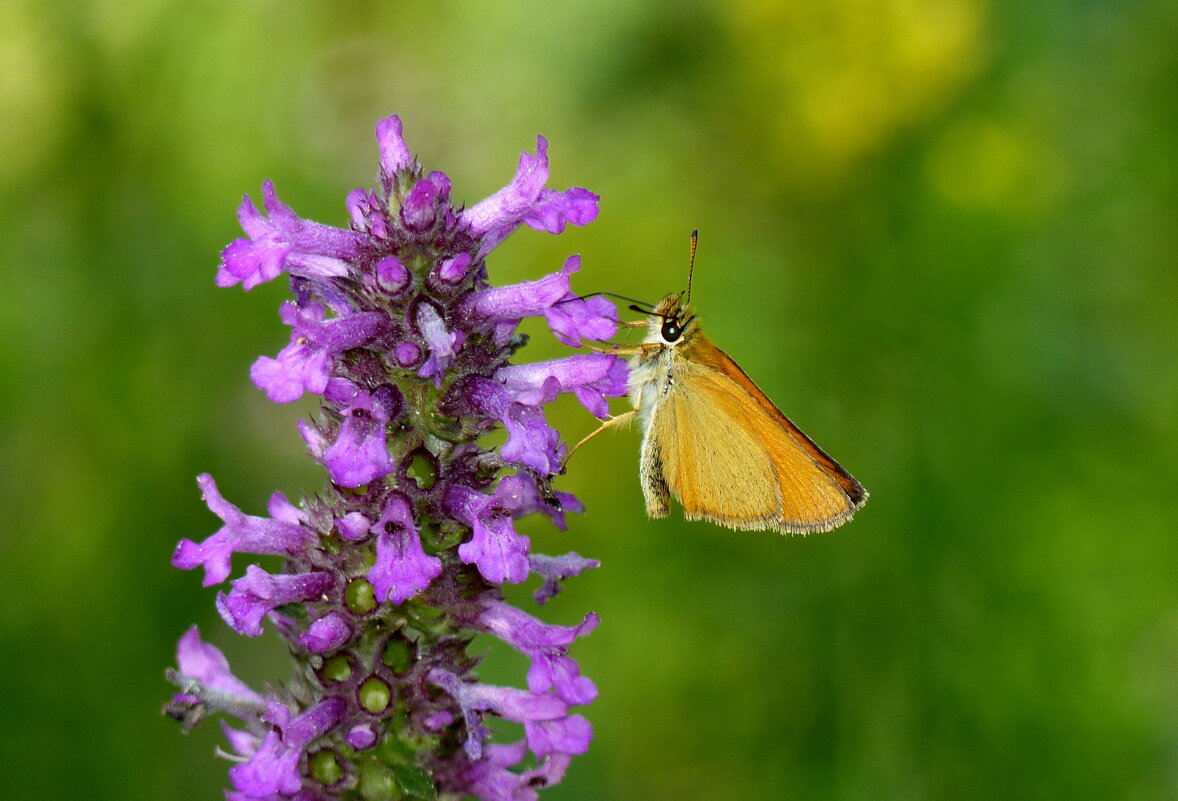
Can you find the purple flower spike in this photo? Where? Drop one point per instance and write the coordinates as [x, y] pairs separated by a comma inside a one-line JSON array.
[[394, 567], [402, 567], [241, 533], [258, 592]]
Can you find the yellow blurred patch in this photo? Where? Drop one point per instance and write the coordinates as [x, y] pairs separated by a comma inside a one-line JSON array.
[[984, 164], [33, 95], [836, 81]]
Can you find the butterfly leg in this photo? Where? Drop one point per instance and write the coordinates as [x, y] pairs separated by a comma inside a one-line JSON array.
[[618, 420], [641, 349], [618, 350]]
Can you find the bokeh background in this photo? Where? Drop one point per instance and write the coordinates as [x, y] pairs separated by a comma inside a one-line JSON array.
[[940, 233]]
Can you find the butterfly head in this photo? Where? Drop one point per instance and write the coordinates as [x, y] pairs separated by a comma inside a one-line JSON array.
[[672, 321]]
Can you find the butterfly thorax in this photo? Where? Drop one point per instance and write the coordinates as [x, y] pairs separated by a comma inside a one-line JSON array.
[[673, 325]]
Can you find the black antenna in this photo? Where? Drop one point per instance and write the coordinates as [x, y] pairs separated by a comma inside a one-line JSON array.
[[607, 294], [640, 310], [691, 266]]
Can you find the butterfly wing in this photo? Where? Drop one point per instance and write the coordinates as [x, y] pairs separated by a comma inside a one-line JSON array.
[[728, 455]]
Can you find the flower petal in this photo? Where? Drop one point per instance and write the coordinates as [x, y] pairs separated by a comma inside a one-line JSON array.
[[257, 593], [402, 567], [241, 534], [394, 153], [200, 660], [327, 633]]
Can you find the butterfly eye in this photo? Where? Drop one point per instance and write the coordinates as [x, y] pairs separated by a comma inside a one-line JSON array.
[[671, 330]]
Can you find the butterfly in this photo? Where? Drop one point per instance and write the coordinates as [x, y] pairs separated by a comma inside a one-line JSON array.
[[713, 441]]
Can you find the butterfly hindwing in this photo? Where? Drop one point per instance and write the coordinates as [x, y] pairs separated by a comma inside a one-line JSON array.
[[728, 455]]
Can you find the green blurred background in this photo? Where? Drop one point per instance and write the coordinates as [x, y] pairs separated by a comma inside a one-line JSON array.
[[941, 234]]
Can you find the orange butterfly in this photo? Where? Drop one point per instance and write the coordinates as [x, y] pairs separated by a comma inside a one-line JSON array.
[[713, 440]]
